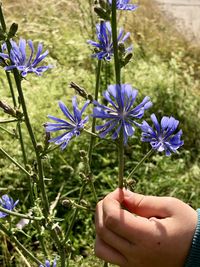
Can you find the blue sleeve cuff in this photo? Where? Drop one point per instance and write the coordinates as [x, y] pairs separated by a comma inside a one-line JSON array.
[[193, 259]]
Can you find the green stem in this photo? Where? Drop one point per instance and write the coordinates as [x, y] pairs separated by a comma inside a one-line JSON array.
[[118, 82], [21, 215], [75, 213], [140, 163], [94, 119], [115, 43], [3, 24], [7, 131], [34, 143], [11, 89], [92, 139], [8, 121], [121, 160], [15, 240], [14, 161]]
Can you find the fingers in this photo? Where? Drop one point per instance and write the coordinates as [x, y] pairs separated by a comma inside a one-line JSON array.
[[123, 223], [108, 236], [149, 206], [107, 253]]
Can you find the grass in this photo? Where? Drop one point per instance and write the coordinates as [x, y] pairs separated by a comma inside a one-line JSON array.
[[165, 66]]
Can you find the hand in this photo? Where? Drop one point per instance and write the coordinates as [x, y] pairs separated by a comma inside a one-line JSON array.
[[150, 232]]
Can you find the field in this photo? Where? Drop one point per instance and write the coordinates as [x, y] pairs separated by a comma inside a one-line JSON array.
[[164, 66]]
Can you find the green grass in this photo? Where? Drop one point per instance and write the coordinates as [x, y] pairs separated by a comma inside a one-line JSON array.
[[164, 66]]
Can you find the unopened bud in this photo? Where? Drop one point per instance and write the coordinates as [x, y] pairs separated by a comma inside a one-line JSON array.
[[121, 48], [7, 109], [83, 153], [39, 147], [90, 97], [127, 58], [101, 13], [80, 90], [13, 30], [66, 203], [103, 4]]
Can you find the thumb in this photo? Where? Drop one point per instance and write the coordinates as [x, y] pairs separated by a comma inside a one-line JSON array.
[[147, 206]]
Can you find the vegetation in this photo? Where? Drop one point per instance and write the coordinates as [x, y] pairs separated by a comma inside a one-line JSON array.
[[165, 67]]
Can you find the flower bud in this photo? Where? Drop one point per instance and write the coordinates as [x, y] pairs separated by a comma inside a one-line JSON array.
[[80, 90], [101, 13], [7, 109], [121, 48], [83, 153], [127, 58], [13, 30], [66, 203]]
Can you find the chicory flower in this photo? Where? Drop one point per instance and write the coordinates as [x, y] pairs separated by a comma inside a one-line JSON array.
[[104, 46], [120, 114], [19, 59], [162, 137], [8, 203], [72, 127]]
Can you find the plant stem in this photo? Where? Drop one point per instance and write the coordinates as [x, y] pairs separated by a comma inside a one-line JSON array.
[[121, 160], [15, 162], [15, 240], [34, 143], [115, 43], [8, 121], [3, 24], [140, 163], [118, 83], [75, 213], [7, 131], [92, 139], [21, 215], [11, 89]]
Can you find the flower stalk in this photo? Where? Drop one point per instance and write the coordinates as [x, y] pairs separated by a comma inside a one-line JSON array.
[[34, 143], [118, 82]]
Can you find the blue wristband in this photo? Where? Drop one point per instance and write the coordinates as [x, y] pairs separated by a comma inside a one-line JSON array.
[[193, 259]]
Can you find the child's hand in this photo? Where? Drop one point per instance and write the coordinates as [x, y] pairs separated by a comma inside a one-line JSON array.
[[157, 234]]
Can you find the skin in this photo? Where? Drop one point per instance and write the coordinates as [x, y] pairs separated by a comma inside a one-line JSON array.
[[134, 230]]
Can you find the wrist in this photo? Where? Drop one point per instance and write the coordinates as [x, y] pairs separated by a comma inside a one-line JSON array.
[[193, 259]]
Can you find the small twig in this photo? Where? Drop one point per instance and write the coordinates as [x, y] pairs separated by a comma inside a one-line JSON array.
[[22, 256]]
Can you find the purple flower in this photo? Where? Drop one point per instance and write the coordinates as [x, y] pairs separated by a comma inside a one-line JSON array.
[[21, 61], [71, 128], [163, 137], [47, 264], [124, 5], [120, 113], [104, 46], [7, 202]]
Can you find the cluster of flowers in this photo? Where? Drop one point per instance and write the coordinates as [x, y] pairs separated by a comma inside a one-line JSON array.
[[120, 114]]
